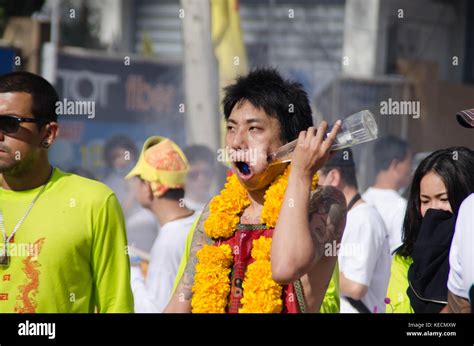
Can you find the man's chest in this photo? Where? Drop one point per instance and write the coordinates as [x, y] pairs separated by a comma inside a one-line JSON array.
[[49, 233], [47, 253]]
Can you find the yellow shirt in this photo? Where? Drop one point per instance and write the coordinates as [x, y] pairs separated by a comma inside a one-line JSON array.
[[330, 304], [69, 255], [398, 285]]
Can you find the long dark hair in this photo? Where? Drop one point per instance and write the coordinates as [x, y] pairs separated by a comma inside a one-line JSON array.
[[455, 166]]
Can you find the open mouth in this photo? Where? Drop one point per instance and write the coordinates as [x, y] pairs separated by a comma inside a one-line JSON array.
[[244, 169]]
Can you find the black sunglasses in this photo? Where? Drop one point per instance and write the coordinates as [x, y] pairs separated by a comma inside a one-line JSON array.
[[10, 123]]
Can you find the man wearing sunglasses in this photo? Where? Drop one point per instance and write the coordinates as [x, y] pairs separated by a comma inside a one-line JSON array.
[[62, 241]]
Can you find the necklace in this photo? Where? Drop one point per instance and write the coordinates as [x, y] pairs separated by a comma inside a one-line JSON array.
[[4, 256]]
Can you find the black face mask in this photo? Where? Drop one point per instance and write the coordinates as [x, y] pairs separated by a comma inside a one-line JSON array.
[[428, 275]]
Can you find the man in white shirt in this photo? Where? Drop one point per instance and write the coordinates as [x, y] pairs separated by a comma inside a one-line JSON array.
[[461, 259], [392, 159], [142, 229], [160, 176], [364, 256]]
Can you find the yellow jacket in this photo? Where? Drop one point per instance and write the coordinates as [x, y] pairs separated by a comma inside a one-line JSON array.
[[398, 285]]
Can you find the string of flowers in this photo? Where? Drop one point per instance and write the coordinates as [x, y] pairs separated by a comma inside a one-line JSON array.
[[261, 293], [211, 283], [233, 199]]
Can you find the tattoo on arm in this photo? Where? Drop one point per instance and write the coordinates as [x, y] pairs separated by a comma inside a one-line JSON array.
[[327, 216], [200, 239]]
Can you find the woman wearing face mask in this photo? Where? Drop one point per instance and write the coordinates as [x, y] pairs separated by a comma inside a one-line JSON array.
[[420, 268]]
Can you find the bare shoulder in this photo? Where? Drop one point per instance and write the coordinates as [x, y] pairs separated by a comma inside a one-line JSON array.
[[200, 239], [325, 197]]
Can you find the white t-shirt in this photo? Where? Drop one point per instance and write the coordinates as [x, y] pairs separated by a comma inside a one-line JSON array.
[[461, 257], [142, 229], [391, 206], [364, 256], [154, 293]]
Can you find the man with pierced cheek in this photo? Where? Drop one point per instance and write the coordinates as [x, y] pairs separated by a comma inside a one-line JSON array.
[[263, 237]]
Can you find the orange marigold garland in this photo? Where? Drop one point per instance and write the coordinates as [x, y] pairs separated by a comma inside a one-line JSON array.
[[225, 209], [233, 199], [274, 198], [211, 283], [261, 293]]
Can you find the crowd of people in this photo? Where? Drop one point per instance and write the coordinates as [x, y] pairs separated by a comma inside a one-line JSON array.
[[177, 231]]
